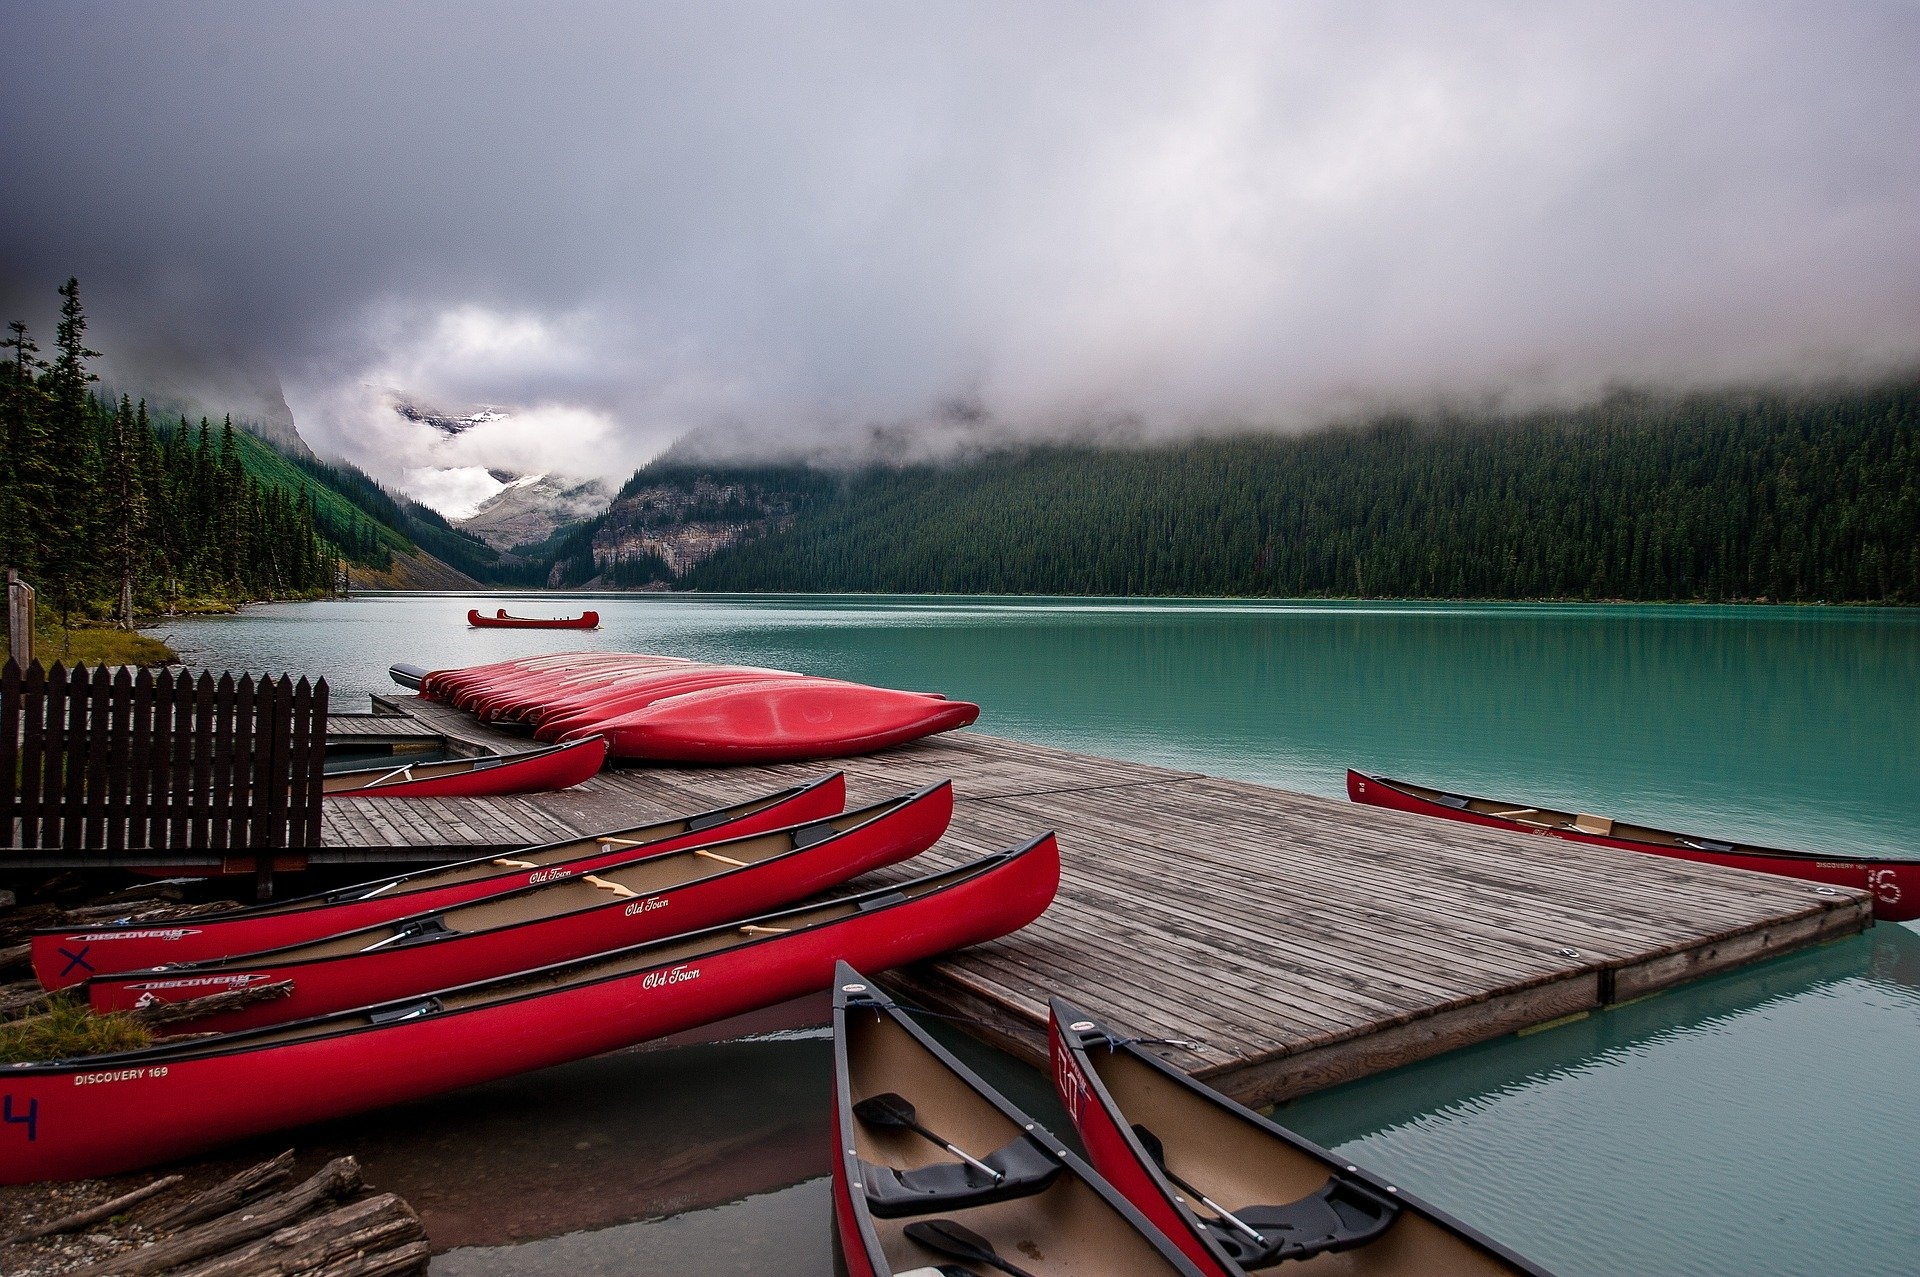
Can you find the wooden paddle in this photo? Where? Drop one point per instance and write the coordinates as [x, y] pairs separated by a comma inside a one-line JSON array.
[[894, 1110], [954, 1239]]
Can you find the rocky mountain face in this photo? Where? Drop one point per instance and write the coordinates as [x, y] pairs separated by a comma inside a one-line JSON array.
[[531, 507], [655, 532]]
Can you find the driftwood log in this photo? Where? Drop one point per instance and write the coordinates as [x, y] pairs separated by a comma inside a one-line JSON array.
[[230, 1194], [15, 955], [193, 1008], [338, 1178], [94, 1214], [377, 1237], [21, 996]]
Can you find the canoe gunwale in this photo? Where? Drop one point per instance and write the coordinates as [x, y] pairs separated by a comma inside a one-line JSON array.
[[854, 992], [1074, 1044]]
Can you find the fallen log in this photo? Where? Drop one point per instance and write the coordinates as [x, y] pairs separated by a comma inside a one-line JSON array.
[[94, 1214], [229, 1194], [338, 1178], [371, 1238], [226, 1000], [20, 996], [16, 955]]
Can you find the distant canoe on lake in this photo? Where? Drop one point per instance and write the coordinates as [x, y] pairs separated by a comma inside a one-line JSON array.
[[501, 621]]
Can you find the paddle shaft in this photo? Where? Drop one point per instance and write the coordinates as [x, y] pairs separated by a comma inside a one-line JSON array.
[[958, 1152]]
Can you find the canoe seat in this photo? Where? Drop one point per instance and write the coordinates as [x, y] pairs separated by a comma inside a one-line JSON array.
[[1451, 800], [1706, 844], [711, 819], [1025, 1167], [1345, 1213], [1597, 825], [808, 835]]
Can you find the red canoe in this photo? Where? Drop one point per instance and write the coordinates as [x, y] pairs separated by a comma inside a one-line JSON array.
[[552, 922], [115, 1113], [582, 712], [1034, 1201], [1895, 884], [65, 957], [501, 621], [1287, 1198], [780, 720], [536, 771]]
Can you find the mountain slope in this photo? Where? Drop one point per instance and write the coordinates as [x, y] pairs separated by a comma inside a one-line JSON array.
[[1705, 497]]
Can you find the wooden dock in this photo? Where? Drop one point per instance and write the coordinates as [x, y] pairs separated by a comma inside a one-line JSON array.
[[1292, 941]]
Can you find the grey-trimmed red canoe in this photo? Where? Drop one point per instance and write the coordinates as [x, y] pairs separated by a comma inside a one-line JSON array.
[[501, 621], [1894, 884], [551, 922], [1026, 1196], [1236, 1191], [64, 956], [73, 1119], [535, 771]]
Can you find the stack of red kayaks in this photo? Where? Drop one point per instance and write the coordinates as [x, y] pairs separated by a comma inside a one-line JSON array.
[[1895, 884], [533, 772], [1237, 1191], [501, 621], [113, 1113], [63, 957], [556, 921], [670, 710]]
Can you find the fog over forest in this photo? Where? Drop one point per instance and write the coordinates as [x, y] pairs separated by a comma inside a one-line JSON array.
[[837, 228]]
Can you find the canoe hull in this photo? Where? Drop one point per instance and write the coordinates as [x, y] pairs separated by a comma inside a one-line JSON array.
[[68, 1122], [1416, 1240], [62, 958], [781, 721], [1894, 884], [1065, 1218], [585, 621], [321, 987], [536, 772]]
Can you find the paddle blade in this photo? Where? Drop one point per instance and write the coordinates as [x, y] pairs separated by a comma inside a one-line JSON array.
[[887, 1109], [953, 1239]]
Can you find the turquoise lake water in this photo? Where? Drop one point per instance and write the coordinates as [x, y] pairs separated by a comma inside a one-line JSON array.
[[1765, 1121]]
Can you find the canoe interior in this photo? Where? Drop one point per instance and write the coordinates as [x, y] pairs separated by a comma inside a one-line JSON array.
[[567, 975], [1238, 1161], [537, 857], [1065, 1228], [1579, 822], [569, 895], [400, 773]]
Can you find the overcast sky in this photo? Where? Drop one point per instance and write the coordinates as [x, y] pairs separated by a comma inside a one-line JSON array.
[[789, 223]]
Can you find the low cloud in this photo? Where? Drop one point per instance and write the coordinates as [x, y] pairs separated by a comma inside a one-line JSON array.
[[899, 229]]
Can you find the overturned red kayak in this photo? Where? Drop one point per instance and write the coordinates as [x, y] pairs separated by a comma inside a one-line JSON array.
[[1895, 884], [536, 771], [501, 621], [113, 1113], [780, 720], [551, 922], [64, 956], [583, 712]]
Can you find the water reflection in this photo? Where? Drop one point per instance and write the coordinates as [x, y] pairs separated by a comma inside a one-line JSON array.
[[1750, 1123]]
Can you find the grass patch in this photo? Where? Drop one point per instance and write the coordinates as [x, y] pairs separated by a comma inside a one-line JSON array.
[[87, 644], [69, 1029]]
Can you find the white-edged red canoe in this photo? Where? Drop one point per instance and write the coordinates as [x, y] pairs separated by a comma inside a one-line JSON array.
[[780, 720], [107, 1114], [975, 1163], [1236, 1191], [65, 956], [535, 771], [1895, 884], [501, 621], [551, 922]]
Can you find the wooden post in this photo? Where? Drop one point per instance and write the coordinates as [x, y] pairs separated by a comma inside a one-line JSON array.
[[20, 618]]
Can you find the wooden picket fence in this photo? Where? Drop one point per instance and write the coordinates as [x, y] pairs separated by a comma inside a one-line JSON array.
[[110, 761]]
